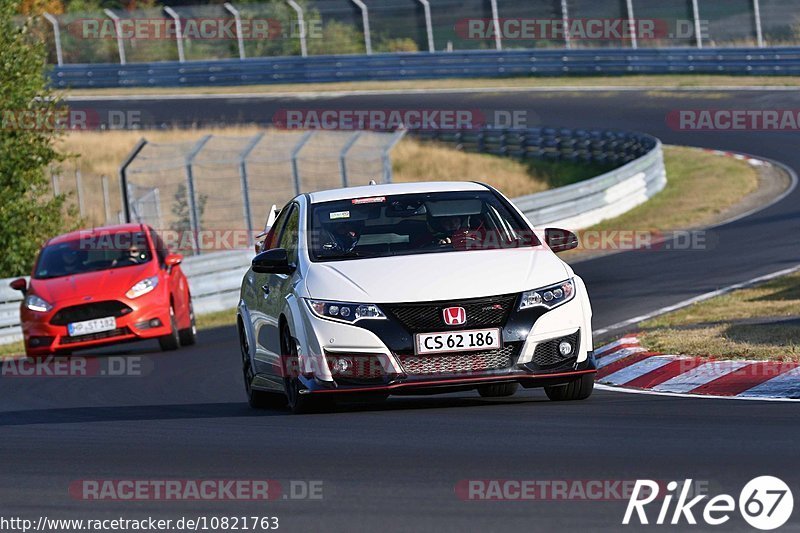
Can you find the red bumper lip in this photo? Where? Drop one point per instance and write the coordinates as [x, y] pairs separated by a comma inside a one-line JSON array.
[[454, 382]]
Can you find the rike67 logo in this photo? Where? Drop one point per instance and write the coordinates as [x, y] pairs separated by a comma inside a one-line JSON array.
[[765, 503]]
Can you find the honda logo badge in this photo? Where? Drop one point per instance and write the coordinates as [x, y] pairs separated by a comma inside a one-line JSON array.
[[455, 316]]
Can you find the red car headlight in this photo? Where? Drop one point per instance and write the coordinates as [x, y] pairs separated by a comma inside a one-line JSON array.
[[142, 287]]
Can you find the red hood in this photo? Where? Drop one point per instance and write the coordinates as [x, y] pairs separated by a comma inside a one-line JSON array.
[[101, 285]]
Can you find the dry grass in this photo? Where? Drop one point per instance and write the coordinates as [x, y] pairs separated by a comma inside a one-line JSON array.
[[742, 324], [675, 80]]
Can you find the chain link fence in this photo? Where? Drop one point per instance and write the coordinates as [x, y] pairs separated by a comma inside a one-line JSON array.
[[325, 27], [222, 187]]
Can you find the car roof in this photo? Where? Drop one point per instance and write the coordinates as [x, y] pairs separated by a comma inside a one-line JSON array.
[[389, 189], [105, 230]]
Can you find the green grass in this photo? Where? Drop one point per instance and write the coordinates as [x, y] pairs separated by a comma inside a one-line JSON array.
[[655, 81], [745, 324]]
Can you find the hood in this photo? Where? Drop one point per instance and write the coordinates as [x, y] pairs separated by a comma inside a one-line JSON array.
[[101, 285], [436, 276]]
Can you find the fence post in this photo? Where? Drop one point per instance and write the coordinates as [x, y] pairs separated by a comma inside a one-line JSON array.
[[498, 41], [123, 177], [295, 152], [697, 25], [118, 29], [302, 23], [237, 19], [343, 157], [79, 187], [248, 215], [633, 27], [178, 31], [426, 6], [365, 20], [56, 36], [387, 162], [54, 179], [759, 28], [565, 21], [194, 212], [106, 201]]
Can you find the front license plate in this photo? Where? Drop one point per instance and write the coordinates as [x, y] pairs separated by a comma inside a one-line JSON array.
[[458, 341], [97, 325]]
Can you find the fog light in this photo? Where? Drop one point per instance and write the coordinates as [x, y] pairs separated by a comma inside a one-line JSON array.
[[565, 348], [342, 365]]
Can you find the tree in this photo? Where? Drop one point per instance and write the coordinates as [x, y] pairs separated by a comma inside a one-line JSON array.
[[29, 214]]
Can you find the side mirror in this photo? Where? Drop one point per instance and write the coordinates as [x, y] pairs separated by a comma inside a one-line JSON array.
[[273, 261], [560, 240], [19, 285], [173, 259]]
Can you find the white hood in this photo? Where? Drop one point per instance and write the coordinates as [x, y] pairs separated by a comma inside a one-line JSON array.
[[435, 276]]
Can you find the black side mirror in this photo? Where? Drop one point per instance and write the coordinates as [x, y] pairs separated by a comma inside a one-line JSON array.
[[560, 240], [19, 285], [274, 261]]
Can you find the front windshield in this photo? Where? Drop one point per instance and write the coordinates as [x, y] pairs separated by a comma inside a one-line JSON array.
[[89, 255], [410, 224]]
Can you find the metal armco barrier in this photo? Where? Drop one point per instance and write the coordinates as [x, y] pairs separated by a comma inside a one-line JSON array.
[[465, 64], [215, 278]]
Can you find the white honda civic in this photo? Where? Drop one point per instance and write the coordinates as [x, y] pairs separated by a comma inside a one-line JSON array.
[[411, 289]]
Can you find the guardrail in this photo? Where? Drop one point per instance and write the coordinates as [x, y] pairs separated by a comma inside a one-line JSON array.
[[215, 278], [464, 64]]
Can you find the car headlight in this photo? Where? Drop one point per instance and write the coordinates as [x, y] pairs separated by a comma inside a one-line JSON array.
[[34, 303], [142, 287], [548, 297], [345, 312]]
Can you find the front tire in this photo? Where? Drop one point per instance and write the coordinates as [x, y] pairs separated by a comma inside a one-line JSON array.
[[498, 390], [172, 340], [580, 389], [298, 403], [188, 336]]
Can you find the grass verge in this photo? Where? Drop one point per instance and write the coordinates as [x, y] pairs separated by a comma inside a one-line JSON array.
[[701, 189], [656, 81], [761, 322]]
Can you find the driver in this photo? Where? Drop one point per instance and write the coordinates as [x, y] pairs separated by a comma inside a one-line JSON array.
[[449, 229], [342, 236], [69, 258], [132, 256]]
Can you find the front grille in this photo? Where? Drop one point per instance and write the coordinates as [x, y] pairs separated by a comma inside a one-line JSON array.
[[428, 316], [119, 332], [547, 353], [79, 313], [462, 363]]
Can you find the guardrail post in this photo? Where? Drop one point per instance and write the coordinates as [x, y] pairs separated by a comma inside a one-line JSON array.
[[194, 212], [301, 22], [697, 24], [343, 157], [498, 40], [759, 29], [365, 19], [237, 19], [54, 180], [426, 7], [78, 188], [387, 162], [295, 152], [178, 31], [118, 29], [106, 201], [565, 21], [123, 177], [56, 36], [633, 27], [248, 216]]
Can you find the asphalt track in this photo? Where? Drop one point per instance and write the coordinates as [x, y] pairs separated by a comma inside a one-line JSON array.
[[395, 467]]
